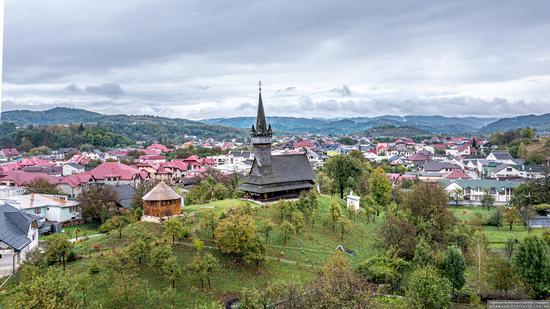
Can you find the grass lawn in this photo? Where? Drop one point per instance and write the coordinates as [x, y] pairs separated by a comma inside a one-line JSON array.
[[465, 213], [84, 229], [497, 237], [314, 244]]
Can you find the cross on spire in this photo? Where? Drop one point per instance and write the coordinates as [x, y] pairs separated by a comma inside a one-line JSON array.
[[260, 85]]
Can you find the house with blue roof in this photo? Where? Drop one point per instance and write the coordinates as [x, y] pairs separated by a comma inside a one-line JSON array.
[[18, 236]]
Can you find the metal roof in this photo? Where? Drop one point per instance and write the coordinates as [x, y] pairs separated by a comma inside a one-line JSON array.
[[14, 227]]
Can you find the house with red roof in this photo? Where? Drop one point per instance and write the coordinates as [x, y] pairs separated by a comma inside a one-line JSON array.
[[304, 144], [158, 147], [9, 153], [116, 173], [456, 174]]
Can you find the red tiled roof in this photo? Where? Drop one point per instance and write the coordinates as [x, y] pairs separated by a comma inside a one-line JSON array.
[[7, 152], [456, 174], [114, 169]]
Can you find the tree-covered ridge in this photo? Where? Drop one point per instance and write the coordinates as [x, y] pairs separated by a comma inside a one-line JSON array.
[[135, 127], [106, 134]]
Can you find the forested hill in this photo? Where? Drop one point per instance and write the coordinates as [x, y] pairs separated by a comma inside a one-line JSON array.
[[136, 127], [539, 122]]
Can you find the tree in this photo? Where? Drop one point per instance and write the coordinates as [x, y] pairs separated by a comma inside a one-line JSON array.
[[487, 199], [423, 254], [159, 255], [335, 212], [234, 233], [57, 249], [174, 228], [203, 265], [380, 188], [287, 229], [255, 252], [210, 219], [52, 288], [427, 205], [345, 225], [342, 170], [265, 227], [426, 289], [42, 186], [532, 261], [457, 194], [496, 218], [115, 223], [398, 235], [384, 270], [170, 270], [510, 216], [97, 202], [139, 249], [453, 266], [338, 286], [501, 274], [478, 249], [298, 220]]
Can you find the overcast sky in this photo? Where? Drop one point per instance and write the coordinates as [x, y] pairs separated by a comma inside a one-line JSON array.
[[203, 59]]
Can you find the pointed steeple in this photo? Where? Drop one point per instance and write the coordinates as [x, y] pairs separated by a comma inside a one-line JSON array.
[[261, 125]]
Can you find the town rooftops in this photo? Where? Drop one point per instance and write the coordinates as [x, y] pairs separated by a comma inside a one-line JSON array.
[[14, 227], [161, 192]]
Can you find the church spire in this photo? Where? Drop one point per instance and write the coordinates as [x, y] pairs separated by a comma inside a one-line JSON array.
[[261, 125]]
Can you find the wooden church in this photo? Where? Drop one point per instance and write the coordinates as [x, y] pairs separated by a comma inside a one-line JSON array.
[[274, 177]]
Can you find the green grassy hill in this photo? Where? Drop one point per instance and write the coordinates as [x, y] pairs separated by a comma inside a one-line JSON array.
[[297, 261]]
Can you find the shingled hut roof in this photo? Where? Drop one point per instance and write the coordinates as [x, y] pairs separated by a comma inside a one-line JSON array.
[[161, 192]]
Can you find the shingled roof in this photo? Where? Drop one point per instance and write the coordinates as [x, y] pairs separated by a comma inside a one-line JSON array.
[[14, 227], [286, 172], [161, 192]]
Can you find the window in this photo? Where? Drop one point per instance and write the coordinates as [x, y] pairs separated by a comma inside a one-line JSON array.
[[37, 210]]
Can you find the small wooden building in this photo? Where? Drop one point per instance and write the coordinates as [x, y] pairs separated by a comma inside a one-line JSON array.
[[161, 203]]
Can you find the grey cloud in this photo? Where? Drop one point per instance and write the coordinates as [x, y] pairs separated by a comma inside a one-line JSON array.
[[109, 89], [164, 55], [343, 91], [73, 88]]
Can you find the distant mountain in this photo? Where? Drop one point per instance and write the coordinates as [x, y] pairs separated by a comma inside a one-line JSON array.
[[394, 131], [539, 122], [428, 124], [137, 127]]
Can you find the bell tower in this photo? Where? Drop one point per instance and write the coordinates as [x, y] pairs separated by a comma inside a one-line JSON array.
[[261, 135]]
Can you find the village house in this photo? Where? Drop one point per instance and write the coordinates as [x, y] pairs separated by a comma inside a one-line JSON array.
[[474, 189], [115, 173], [504, 171], [54, 208], [18, 236], [72, 168], [501, 157], [9, 153]]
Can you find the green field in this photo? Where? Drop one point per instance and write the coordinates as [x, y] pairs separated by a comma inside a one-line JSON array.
[[497, 237], [84, 229]]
